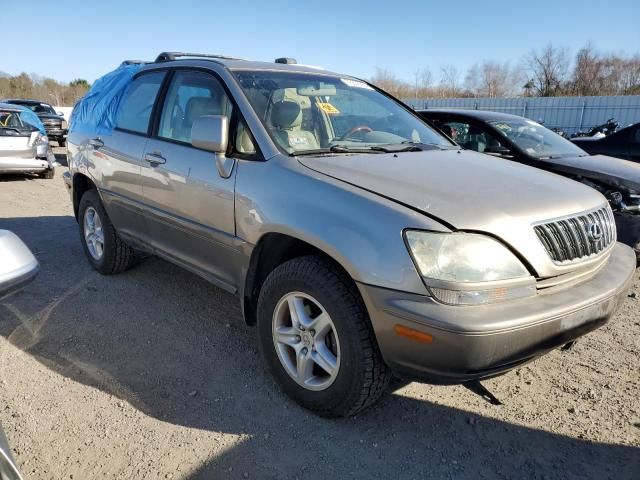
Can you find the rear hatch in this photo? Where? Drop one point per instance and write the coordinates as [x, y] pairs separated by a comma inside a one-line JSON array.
[[16, 144]]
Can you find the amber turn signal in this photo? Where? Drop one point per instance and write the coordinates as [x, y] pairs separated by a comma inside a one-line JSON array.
[[412, 334]]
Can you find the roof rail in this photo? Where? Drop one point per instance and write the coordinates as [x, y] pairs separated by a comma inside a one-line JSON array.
[[169, 56]]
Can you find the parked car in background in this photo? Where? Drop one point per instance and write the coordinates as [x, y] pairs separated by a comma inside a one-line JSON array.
[[24, 145], [624, 143], [360, 241], [54, 122], [524, 141], [18, 267]]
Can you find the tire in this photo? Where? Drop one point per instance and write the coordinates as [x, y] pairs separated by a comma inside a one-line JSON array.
[[361, 375], [115, 256], [49, 173]]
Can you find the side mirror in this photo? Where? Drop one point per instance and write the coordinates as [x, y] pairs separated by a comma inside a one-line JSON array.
[[498, 150], [211, 133], [60, 114], [18, 266]]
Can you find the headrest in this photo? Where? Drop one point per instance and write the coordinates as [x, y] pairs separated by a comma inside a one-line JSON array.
[[286, 114], [199, 106]]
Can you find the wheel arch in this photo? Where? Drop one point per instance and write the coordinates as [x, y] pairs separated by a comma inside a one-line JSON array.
[[272, 250], [81, 183]]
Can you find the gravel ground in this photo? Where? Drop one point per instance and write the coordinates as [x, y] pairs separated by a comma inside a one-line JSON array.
[[152, 374]]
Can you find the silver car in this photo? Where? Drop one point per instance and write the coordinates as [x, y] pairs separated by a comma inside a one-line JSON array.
[[24, 145], [361, 243]]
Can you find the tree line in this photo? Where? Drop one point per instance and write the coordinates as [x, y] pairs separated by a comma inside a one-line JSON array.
[[547, 72], [44, 89]]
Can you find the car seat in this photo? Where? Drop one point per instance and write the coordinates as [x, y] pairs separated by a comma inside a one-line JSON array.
[[286, 119], [197, 107]]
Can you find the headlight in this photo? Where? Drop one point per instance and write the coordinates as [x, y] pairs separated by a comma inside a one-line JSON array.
[[468, 268], [64, 124]]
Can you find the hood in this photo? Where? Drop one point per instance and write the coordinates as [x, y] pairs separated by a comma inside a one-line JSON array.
[[611, 171], [469, 191]]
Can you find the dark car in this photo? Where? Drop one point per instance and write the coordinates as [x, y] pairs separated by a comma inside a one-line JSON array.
[[54, 122], [525, 141], [624, 143]]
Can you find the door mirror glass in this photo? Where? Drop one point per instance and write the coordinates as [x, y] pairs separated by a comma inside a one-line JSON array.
[[497, 150], [18, 265], [211, 133]]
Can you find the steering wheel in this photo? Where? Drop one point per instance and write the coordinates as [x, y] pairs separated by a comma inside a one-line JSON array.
[[359, 128]]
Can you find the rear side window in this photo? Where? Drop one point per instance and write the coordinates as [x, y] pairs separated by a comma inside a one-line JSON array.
[[137, 103]]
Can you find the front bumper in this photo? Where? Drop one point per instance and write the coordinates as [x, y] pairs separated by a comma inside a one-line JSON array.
[[56, 132], [474, 342]]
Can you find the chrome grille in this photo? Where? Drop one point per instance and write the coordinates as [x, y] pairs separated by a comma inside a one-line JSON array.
[[51, 121], [577, 237]]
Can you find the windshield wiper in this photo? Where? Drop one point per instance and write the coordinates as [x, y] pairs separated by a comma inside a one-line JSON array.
[[335, 149], [409, 146]]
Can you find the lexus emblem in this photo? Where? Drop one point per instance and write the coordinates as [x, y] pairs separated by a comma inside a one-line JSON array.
[[594, 231]]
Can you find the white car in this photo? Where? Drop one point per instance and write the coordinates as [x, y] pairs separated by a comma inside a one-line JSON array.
[[24, 146]]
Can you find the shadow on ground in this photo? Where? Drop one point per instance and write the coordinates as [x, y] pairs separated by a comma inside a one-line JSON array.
[[176, 348]]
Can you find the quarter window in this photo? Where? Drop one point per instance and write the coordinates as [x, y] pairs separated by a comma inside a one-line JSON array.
[[137, 103], [191, 95]]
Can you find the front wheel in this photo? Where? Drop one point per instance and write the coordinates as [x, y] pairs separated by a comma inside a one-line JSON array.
[[316, 337]]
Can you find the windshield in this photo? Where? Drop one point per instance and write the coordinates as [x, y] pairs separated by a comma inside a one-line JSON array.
[[311, 113], [536, 140], [38, 107]]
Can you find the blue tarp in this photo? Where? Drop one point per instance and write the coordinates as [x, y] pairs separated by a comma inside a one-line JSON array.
[[95, 113], [30, 118]]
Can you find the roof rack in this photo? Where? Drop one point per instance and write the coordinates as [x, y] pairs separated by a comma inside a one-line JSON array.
[[169, 56]]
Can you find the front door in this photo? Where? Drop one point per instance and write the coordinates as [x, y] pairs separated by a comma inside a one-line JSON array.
[[190, 205]]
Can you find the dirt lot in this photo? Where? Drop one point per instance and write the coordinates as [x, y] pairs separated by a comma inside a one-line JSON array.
[[152, 374]]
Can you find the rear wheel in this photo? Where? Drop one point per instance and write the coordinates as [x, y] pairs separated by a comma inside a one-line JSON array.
[[103, 247], [49, 173], [316, 337]]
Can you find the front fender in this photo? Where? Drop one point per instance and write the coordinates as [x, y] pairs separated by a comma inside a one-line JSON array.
[[360, 230]]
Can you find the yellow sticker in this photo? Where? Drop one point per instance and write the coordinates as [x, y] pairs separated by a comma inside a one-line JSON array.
[[326, 107]]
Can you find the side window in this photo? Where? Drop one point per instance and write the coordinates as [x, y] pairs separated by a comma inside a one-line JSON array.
[[635, 136], [137, 102], [191, 95], [473, 137]]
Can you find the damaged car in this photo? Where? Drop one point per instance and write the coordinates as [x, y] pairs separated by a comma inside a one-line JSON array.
[[361, 242], [24, 145], [525, 141]]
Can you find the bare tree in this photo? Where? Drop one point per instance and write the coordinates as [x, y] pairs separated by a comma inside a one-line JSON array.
[[548, 70], [587, 72], [449, 81], [492, 79], [387, 81], [423, 79]]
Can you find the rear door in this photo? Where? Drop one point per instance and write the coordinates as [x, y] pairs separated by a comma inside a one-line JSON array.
[[191, 206], [117, 158]]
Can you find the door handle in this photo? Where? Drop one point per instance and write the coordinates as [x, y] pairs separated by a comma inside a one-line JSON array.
[[96, 143], [155, 158]]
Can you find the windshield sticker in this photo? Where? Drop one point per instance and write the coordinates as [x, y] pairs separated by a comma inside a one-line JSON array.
[[355, 83], [326, 107], [297, 141]]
